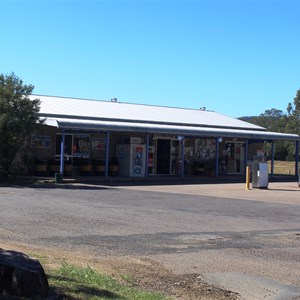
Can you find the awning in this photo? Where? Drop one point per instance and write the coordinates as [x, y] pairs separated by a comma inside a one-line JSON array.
[[91, 125]]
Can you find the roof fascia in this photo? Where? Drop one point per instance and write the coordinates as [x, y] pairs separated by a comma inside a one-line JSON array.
[[261, 129], [137, 127]]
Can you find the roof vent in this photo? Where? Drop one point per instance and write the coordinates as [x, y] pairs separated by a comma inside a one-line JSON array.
[[114, 100], [203, 108]]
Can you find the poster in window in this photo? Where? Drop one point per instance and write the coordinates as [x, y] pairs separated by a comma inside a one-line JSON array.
[[81, 146], [40, 142], [98, 144], [205, 149], [230, 149]]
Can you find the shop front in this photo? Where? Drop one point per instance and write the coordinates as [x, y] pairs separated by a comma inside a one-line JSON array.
[[127, 154], [100, 138], [88, 153]]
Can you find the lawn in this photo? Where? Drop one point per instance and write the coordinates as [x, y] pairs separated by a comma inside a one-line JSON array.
[[282, 167], [69, 281], [76, 282]]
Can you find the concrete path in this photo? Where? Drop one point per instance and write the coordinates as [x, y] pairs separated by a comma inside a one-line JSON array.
[[277, 192], [252, 287]]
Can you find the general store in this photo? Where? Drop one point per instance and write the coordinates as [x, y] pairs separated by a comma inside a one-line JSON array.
[[81, 137]]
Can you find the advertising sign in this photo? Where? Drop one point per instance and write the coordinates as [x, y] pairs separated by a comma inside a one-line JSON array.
[[81, 146], [137, 164]]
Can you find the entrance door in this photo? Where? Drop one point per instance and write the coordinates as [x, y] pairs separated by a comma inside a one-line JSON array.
[[175, 157], [235, 158], [163, 156], [239, 158]]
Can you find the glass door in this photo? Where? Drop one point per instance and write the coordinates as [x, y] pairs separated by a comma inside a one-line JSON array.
[[167, 156], [235, 157], [239, 158], [163, 157], [174, 157]]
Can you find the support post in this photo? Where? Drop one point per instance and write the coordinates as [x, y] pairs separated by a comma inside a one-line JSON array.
[[272, 160], [147, 155], [217, 158], [297, 159], [182, 158], [246, 156], [107, 154], [62, 153]]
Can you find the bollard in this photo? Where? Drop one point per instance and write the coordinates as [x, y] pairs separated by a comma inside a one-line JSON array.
[[58, 178], [248, 178]]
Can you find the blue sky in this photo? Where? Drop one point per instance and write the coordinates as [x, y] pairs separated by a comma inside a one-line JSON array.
[[237, 57]]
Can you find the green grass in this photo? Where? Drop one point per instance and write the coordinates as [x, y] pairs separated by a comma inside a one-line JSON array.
[[85, 283]]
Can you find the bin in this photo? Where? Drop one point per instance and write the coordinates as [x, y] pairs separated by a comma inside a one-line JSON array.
[[58, 178], [260, 177]]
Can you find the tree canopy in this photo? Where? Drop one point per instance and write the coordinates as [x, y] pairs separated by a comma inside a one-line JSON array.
[[18, 119], [293, 113], [278, 121]]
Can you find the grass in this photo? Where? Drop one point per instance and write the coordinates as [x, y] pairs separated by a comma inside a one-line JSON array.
[[85, 283], [282, 167]]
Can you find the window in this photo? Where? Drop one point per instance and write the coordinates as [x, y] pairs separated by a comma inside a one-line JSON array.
[[77, 145], [81, 145], [40, 142], [68, 145]]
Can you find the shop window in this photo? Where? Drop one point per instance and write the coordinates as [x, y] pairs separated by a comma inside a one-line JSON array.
[[40, 142], [98, 144], [68, 145], [205, 149], [81, 146]]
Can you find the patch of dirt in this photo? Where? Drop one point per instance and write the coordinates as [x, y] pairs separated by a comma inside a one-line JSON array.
[[149, 275], [143, 273]]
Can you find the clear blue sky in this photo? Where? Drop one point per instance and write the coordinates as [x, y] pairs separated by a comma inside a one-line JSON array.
[[237, 57]]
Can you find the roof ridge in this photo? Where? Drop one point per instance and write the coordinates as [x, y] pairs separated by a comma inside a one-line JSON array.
[[128, 103]]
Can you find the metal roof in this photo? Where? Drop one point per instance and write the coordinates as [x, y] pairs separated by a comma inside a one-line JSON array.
[[79, 124], [81, 114]]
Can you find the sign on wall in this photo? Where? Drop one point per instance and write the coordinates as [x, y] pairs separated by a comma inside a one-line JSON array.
[[81, 145], [40, 142], [98, 144]]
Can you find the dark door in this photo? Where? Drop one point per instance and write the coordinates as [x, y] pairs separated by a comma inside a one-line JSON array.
[[163, 156]]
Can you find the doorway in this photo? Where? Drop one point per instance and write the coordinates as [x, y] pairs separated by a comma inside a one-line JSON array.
[[235, 158], [163, 156], [167, 156]]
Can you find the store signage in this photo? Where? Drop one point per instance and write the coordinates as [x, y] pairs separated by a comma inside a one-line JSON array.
[[260, 153], [135, 140]]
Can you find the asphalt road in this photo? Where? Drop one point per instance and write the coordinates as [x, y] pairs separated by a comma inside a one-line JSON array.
[[220, 232]]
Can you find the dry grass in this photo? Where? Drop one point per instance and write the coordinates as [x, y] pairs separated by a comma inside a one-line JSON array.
[[282, 167]]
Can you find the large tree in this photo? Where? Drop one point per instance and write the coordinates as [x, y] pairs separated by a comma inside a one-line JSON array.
[[18, 119], [272, 119], [293, 110], [276, 120]]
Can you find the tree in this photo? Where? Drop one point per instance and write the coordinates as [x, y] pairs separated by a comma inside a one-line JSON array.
[[272, 119], [293, 110], [277, 121], [18, 119]]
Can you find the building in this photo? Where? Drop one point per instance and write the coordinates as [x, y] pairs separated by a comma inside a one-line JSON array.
[[111, 138]]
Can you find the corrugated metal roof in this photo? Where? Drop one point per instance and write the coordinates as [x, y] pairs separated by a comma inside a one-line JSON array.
[[118, 111], [80, 114], [80, 124]]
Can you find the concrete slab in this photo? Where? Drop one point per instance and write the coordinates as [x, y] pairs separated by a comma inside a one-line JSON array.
[[252, 287], [278, 192]]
